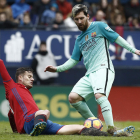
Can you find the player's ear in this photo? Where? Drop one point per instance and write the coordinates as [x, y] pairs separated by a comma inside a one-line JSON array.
[[88, 16], [20, 78]]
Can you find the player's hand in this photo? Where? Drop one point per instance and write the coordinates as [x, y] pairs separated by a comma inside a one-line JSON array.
[[50, 69], [137, 52]]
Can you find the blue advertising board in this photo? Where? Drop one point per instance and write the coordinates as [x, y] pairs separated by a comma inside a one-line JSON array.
[[17, 48]]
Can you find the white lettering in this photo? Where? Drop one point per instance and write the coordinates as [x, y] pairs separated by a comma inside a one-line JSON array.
[[124, 52], [67, 46], [49, 40], [36, 41], [107, 28]]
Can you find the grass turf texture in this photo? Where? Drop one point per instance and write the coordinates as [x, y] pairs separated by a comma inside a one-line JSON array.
[[7, 134]]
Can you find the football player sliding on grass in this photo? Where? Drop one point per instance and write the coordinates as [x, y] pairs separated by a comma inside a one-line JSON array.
[[25, 116]]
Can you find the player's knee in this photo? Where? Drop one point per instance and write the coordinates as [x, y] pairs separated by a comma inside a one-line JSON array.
[[71, 98], [99, 95], [44, 112], [47, 113], [74, 97]]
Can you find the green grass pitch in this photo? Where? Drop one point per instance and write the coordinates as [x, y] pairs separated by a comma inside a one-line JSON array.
[[6, 133]]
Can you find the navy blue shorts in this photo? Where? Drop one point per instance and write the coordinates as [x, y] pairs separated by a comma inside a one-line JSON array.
[[52, 128]]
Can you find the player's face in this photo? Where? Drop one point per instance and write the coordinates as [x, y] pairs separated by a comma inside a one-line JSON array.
[[82, 21], [27, 79]]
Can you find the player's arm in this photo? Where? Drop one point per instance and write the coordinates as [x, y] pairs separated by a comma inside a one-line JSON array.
[[3, 71], [112, 36], [7, 80], [66, 66], [75, 58], [122, 42], [107, 32]]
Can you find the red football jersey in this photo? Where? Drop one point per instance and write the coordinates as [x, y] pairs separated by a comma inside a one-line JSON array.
[[19, 97]]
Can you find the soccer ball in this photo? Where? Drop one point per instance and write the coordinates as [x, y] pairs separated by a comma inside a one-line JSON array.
[[93, 122]]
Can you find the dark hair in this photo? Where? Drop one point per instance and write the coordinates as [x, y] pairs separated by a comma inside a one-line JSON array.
[[22, 70], [42, 43], [79, 8], [26, 14], [59, 12]]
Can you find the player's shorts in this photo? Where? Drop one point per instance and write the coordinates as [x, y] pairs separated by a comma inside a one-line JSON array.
[[51, 129], [99, 81]]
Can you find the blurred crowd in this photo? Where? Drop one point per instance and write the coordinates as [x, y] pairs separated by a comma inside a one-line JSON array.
[[56, 14]]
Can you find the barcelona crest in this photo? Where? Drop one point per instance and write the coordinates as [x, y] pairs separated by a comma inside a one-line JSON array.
[[93, 34]]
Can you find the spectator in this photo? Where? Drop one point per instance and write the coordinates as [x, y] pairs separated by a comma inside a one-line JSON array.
[[93, 9], [74, 2], [118, 21], [132, 11], [42, 59], [70, 25], [58, 22], [136, 23], [66, 24], [7, 9], [38, 8], [48, 15], [5, 23], [100, 16], [65, 7], [103, 5], [19, 8], [26, 20], [115, 8]]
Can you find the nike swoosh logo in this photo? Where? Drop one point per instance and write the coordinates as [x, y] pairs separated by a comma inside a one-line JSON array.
[[98, 88]]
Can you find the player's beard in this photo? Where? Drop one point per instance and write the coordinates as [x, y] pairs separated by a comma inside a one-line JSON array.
[[84, 26]]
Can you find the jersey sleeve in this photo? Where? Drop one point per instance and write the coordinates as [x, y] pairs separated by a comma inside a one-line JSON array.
[[67, 65], [76, 54], [7, 80], [107, 32]]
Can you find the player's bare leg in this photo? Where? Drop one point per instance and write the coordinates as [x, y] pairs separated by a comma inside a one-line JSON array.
[[80, 129], [70, 129]]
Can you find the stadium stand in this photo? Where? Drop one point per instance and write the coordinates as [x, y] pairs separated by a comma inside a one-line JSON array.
[[90, 1]]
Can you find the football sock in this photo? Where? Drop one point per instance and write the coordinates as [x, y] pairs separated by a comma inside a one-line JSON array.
[[83, 109], [40, 118], [106, 110], [93, 132]]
